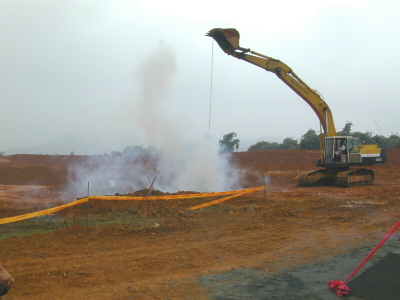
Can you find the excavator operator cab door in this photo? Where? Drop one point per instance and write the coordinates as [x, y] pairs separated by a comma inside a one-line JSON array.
[[340, 150], [329, 154], [336, 150]]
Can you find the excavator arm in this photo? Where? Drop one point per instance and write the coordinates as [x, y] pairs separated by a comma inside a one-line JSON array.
[[228, 40]]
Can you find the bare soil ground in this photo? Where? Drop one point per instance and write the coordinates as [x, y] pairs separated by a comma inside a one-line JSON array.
[[284, 244]]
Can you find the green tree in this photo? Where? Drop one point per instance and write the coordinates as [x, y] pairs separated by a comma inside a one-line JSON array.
[[263, 145], [393, 142], [379, 140], [289, 144], [229, 142], [309, 141], [365, 137], [139, 150], [346, 131], [133, 150]]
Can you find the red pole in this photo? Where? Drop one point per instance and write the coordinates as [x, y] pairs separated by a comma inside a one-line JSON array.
[[373, 251], [340, 287]]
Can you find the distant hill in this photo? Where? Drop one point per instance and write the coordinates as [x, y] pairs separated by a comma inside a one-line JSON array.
[[82, 143]]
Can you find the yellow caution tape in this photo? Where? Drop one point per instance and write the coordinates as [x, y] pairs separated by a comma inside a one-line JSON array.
[[215, 201], [168, 197], [225, 199], [42, 212]]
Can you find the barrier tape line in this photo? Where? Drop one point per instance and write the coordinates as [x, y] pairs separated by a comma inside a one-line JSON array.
[[42, 212], [169, 197], [216, 201]]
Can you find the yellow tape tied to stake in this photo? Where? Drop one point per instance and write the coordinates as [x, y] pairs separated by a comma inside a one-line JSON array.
[[234, 194]]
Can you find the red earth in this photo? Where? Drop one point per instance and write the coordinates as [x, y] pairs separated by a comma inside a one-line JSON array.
[[165, 256]]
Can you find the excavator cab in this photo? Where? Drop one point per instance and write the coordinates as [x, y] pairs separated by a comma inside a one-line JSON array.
[[345, 151], [337, 149]]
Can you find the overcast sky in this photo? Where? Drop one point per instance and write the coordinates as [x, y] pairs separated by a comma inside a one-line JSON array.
[[75, 65]]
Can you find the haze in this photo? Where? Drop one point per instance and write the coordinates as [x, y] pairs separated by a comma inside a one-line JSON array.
[[71, 66]]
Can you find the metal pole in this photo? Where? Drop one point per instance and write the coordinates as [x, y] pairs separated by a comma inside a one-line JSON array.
[[87, 206], [265, 192], [211, 85], [378, 128]]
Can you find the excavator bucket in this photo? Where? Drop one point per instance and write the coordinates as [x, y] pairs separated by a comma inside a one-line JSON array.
[[227, 39]]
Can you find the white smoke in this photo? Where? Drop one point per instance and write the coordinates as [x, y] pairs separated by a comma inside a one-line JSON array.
[[186, 162]]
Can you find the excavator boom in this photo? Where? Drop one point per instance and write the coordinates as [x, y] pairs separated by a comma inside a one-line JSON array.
[[228, 40]]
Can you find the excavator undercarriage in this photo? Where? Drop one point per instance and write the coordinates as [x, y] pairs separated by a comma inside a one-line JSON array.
[[344, 178]]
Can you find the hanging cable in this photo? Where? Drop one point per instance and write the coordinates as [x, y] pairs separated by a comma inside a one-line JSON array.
[[211, 83]]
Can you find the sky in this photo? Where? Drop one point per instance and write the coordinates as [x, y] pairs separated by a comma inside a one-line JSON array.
[[74, 65]]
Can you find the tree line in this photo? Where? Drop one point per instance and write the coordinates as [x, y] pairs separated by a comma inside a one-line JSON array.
[[310, 141]]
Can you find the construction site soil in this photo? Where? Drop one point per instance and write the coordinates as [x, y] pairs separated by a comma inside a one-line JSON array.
[[285, 242]]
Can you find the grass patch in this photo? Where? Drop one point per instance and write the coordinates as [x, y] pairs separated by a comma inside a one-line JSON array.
[[44, 224]]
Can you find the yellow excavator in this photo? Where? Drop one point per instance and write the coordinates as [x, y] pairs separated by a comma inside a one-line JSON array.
[[338, 153]]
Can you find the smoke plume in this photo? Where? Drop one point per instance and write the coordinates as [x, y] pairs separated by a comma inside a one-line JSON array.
[[184, 162]]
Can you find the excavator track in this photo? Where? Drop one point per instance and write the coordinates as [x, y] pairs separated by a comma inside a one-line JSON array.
[[316, 177], [355, 177], [350, 177]]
